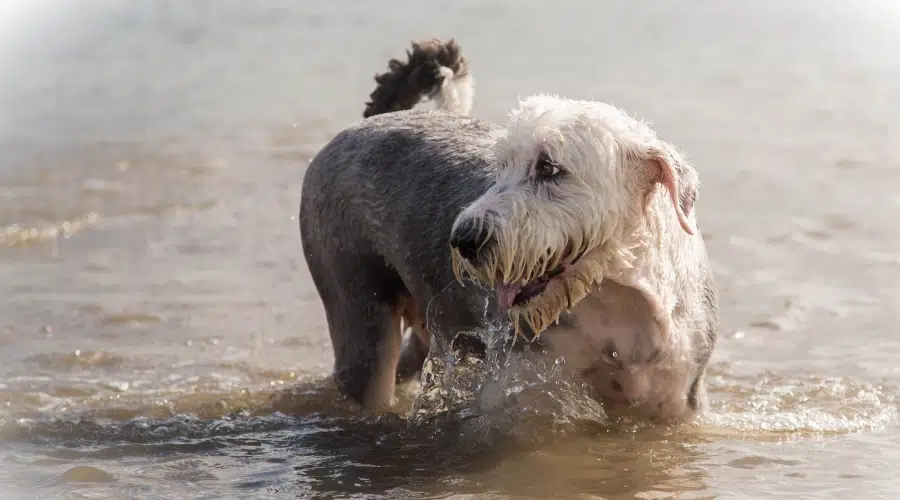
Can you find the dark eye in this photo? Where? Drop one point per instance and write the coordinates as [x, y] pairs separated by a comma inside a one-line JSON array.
[[611, 356], [546, 167], [655, 356]]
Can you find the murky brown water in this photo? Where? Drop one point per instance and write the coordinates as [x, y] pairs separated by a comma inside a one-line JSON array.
[[160, 337]]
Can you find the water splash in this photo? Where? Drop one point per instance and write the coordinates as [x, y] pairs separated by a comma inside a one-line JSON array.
[[477, 375], [496, 389]]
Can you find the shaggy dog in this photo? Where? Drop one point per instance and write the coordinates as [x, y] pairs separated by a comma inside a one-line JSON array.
[[571, 208]]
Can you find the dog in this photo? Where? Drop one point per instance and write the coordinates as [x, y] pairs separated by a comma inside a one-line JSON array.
[[571, 211]]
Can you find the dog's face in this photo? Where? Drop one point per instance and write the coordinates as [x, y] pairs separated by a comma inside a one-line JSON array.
[[575, 182], [646, 383], [634, 370], [613, 342]]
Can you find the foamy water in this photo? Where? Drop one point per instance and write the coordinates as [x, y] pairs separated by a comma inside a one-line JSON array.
[[160, 336]]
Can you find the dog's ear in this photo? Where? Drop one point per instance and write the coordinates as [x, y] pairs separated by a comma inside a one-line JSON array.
[[664, 165]]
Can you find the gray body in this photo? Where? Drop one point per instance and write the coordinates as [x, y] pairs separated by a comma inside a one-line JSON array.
[[376, 212]]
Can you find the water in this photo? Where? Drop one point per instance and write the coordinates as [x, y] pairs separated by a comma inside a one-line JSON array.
[[159, 333]]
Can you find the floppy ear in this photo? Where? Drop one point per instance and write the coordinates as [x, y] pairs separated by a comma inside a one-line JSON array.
[[668, 168]]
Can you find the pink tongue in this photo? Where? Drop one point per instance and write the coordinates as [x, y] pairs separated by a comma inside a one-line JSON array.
[[506, 294]]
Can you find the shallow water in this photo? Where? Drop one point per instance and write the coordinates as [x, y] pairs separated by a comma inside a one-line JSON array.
[[160, 336]]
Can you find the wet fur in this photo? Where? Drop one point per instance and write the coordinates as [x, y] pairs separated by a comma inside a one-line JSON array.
[[380, 200], [622, 211], [377, 206]]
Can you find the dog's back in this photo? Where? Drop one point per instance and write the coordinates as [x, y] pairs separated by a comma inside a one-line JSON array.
[[392, 176]]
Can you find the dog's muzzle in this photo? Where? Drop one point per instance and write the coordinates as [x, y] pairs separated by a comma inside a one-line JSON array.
[[471, 238]]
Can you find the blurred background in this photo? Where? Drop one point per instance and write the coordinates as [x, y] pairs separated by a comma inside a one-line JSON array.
[[151, 160]]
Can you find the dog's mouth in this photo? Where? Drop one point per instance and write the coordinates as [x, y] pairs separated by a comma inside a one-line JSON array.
[[511, 295], [518, 294]]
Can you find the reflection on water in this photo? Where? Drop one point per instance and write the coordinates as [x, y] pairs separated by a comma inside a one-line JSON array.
[[160, 336]]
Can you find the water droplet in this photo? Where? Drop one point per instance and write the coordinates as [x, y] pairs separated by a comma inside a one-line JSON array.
[[78, 352]]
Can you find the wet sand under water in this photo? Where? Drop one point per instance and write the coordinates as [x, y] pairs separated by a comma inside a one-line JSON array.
[[160, 336]]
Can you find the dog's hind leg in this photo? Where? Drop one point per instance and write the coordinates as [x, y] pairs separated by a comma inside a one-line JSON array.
[[362, 307]]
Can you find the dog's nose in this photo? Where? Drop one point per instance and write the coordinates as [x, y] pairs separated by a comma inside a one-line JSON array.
[[469, 237]]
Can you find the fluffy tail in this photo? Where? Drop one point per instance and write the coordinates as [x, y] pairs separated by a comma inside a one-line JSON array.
[[435, 70]]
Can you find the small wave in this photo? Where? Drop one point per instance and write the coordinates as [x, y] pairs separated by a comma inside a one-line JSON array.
[[130, 319], [18, 236], [801, 422], [139, 429], [81, 474], [769, 405], [69, 360]]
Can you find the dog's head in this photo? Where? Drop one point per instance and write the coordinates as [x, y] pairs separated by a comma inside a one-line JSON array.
[[581, 187]]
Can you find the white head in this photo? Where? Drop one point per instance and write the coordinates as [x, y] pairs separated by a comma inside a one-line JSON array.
[[581, 192]]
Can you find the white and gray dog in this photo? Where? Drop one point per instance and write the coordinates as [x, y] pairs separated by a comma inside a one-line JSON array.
[[578, 215]]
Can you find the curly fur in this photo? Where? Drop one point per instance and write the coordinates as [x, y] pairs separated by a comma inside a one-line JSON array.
[[618, 217], [435, 70], [616, 211]]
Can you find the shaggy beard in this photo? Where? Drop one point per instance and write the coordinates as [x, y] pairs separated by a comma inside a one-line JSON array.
[[561, 293]]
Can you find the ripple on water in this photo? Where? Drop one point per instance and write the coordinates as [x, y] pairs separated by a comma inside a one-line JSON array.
[[82, 474], [465, 424], [16, 235], [770, 405], [86, 431], [130, 319], [331, 446], [79, 358]]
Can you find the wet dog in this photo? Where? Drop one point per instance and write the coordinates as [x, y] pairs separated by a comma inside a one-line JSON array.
[[567, 198]]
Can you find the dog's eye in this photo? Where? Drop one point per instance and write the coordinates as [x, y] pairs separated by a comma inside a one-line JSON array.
[[611, 356], [546, 167], [655, 356]]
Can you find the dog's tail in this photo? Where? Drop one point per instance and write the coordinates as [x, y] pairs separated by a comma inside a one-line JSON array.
[[436, 70]]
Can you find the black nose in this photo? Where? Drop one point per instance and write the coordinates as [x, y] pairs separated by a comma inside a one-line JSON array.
[[469, 237]]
